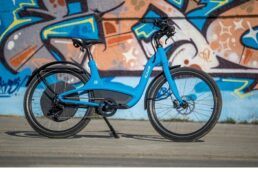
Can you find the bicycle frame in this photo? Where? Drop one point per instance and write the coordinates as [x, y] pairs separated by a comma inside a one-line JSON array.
[[96, 83]]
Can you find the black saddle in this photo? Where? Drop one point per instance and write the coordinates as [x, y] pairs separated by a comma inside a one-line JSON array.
[[83, 43]]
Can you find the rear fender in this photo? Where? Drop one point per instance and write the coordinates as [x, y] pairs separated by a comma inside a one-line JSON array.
[[72, 66]]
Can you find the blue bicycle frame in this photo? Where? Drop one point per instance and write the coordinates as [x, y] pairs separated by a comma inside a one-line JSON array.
[[96, 83]]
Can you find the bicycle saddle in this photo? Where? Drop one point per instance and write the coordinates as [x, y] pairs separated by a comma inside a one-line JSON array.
[[83, 43]]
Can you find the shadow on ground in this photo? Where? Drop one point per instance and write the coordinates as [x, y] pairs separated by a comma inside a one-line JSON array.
[[106, 135]]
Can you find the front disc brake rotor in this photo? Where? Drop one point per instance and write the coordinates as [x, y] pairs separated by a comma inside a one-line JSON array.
[[51, 109]]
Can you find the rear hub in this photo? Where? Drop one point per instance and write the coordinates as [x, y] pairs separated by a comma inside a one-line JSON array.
[[52, 108]]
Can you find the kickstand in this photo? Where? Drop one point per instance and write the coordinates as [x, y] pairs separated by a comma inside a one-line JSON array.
[[111, 128]]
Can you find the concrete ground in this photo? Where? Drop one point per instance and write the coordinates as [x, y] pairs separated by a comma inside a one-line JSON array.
[[226, 145]]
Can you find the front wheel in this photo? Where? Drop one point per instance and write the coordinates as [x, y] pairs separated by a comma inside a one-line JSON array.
[[201, 110]]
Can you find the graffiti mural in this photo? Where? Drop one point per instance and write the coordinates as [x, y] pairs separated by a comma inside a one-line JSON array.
[[217, 36]]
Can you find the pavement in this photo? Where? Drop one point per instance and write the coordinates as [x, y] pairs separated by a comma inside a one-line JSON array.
[[227, 145]]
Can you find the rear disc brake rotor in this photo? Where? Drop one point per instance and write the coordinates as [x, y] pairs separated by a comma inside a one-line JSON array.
[[55, 111]]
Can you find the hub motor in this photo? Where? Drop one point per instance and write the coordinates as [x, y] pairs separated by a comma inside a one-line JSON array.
[[50, 106]]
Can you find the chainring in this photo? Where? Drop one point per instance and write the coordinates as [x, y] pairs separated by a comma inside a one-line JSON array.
[[51, 109], [107, 108]]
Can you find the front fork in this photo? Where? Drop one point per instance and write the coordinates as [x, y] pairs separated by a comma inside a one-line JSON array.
[[169, 77]]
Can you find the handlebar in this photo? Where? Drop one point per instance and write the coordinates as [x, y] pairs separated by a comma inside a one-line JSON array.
[[166, 26]]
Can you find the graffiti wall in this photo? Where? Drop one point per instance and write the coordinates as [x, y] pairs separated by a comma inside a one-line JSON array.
[[217, 36]]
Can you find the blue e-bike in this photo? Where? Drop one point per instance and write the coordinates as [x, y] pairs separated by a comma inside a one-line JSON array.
[[183, 104]]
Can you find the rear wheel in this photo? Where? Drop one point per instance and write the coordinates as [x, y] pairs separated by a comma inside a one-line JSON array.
[[201, 109], [43, 111]]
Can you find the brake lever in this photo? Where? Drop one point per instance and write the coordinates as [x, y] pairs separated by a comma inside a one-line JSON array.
[[170, 35]]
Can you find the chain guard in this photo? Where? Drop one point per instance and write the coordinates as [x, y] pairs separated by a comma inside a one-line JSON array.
[[51, 109]]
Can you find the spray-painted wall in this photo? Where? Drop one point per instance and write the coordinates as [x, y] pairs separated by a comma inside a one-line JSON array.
[[218, 36]]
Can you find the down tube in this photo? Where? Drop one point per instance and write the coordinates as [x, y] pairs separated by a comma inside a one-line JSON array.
[[143, 82]]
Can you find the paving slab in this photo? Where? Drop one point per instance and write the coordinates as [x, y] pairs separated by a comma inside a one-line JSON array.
[[139, 145]]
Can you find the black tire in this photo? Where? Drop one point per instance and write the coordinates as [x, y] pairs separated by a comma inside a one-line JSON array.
[[32, 119], [191, 136]]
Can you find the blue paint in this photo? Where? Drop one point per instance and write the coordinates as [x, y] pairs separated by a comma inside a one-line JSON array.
[[146, 28], [9, 11], [231, 86], [9, 5], [251, 42], [74, 8], [11, 83], [208, 7], [6, 20], [5, 74], [178, 3], [85, 27]]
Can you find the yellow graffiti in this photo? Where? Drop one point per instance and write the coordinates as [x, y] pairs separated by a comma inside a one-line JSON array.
[[143, 33], [17, 21], [239, 91], [50, 30], [219, 3]]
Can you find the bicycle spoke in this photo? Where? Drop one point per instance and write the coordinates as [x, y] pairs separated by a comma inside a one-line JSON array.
[[195, 115], [67, 118]]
